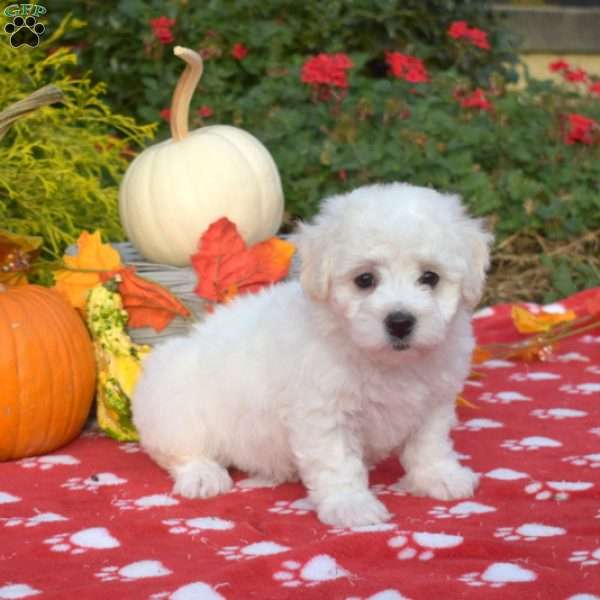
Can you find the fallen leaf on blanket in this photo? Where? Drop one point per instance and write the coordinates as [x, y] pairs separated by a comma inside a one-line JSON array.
[[226, 267], [528, 322], [147, 303], [480, 355], [17, 253], [462, 401], [82, 271]]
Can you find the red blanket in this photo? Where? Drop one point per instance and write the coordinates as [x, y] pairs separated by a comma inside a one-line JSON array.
[[97, 520]]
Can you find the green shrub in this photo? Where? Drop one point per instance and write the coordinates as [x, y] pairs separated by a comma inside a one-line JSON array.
[[60, 166]]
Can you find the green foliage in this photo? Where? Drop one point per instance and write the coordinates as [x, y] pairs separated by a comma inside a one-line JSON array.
[[60, 166]]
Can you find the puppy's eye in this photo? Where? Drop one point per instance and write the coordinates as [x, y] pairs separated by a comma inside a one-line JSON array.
[[365, 281], [429, 278]]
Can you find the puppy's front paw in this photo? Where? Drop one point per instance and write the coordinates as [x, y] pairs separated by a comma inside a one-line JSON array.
[[442, 481], [352, 508], [201, 479]]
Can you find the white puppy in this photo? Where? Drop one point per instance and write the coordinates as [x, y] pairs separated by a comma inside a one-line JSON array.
[[318, 379]]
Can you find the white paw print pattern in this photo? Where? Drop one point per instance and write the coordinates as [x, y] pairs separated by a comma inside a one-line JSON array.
[[250, 551], [503, 474], [585, 460], [586, 558], [377, 528], [383, 595], [503, 397], [590, 339], [197, 525], [93, 482], [421, 544], [253, 483], [395, 489], [34, 521], [534, 442], [318, 569], [145, 502], [497, 363], [594, 369], [572, 357], [94, 538], [557, 414], [529, 532], [556, 490], [143, 569], [534, 376], [478, 425], [6, 498], [130, 447], [296, 507], [17, 590], [497, 575], [595, 431], [462, 510], [44, 463], [191, 591], [584, 389]]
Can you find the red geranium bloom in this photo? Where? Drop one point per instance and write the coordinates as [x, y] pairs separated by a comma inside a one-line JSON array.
[[559, 65], [575, 75], [205, 111], [579, 129], [409, 68], [476, 99], [165, 114], [461, 30], [239, 51], [161, 28], [328, 69], [594, 88]]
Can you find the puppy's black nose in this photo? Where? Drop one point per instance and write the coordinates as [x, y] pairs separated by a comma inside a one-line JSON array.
[[399, 324]]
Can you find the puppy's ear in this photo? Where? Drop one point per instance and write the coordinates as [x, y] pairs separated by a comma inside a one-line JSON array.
[[478, 241], [315, 267]]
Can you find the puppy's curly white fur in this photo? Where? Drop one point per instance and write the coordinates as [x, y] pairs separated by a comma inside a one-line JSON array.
[[322, 377]]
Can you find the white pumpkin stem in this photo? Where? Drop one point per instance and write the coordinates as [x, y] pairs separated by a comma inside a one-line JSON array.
[[188, 80]]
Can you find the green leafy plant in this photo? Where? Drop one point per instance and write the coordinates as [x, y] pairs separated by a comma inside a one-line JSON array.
[[60, 165]]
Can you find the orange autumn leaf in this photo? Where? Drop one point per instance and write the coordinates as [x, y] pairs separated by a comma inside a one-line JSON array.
[[83, 269], [17, 253], [147, 303], [462, 401], [226, 267], [480, 355], [528, 322]]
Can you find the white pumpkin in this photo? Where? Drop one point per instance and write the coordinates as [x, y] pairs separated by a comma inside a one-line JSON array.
[[174, 190]]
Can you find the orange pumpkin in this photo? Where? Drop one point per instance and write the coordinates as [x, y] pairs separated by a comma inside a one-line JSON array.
[[47, 371]]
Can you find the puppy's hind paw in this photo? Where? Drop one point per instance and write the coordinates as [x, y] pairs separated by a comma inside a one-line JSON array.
[[201, 478], [352, 508], [442, 481]]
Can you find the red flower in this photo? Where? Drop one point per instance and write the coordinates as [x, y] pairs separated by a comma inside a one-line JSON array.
[[205, 111], [239, 51], [594, 88], [559, 65], [575, 75], [580, 129], [460, 30], [476, 99], [165, 113], [409, 68], [328, 69], [161, 28]]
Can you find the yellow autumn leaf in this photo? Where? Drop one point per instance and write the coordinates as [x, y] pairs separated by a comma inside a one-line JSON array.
[[17, 254], [528, 322], [462, 401], [83, 270]]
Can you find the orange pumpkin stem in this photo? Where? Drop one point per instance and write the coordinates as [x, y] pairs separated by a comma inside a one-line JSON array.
[[188, 80]]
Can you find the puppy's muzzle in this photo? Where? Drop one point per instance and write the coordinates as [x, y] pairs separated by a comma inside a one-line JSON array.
[[399, 325]]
